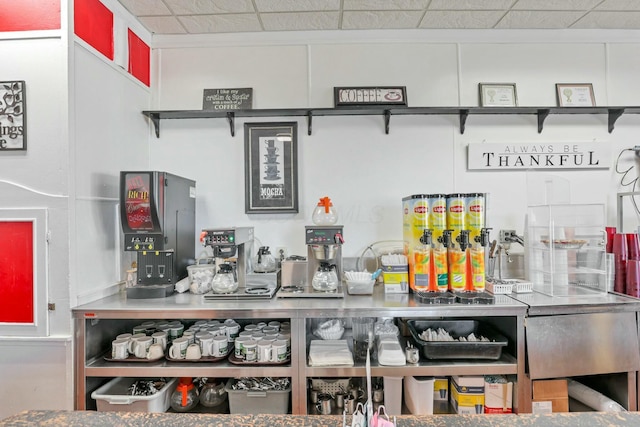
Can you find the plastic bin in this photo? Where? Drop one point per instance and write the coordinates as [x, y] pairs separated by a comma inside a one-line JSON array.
[[393, 395], [418, 395], [114, 397], [458, 349], [257, 402]]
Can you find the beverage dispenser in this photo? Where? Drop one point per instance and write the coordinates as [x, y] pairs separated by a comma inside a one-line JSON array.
[[324, 256], [157, 212]]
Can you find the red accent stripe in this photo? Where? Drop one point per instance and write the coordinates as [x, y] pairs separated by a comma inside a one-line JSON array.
[[139, 58], [93, 23], [16, 272], [29, 15]]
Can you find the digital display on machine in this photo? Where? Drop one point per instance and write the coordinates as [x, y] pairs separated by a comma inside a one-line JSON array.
[[138, 202]]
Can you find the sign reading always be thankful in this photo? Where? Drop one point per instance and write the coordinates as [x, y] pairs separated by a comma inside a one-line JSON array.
[[13, 128], [583, 155]]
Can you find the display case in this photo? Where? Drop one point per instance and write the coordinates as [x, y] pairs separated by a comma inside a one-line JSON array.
[[565, 249]]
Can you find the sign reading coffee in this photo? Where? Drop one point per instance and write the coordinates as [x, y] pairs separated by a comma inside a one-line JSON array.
[[227, 99], [510, 156]]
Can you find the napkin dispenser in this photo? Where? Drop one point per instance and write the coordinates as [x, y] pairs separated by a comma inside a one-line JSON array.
[[293, 271]]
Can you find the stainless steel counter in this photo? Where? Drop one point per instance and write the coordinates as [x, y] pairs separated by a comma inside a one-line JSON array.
[[581, 301]]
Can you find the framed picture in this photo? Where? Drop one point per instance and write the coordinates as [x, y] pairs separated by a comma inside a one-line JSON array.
[[13, 116], [498, 95], [271, 167], [575, 95]]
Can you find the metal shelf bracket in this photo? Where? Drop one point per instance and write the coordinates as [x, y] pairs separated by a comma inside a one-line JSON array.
[[309, 122], [387, 119], [231, 117], [463, 119], [542, 115], [155, 119], [614, 114]]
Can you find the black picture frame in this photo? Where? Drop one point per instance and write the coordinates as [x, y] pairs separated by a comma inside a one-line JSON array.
[[271, 167], [13, 116]]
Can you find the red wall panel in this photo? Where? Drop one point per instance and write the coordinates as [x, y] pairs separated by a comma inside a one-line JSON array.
[[93, 23], [29, 15], [16, 272], [139, 57]]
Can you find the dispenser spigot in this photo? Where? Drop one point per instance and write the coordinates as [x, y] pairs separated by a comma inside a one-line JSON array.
[[425, 239], [445, 239], [463, 239], [483, 237]]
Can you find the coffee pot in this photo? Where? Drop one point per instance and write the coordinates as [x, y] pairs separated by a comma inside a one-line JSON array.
[[224, 282], [264, 262], [325, 278]]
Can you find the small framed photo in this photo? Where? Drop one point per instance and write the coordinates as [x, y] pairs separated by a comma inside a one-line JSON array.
[[498, 95], [271, 167], [575, 95]]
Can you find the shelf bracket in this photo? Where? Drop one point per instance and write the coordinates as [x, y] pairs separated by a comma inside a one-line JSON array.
[[231, 117], [309, 122], [614, 114], [463, 119], [542, 115], [387, 119], [155, 119]]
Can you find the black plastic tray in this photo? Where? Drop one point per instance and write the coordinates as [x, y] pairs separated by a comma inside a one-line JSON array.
[[458, 349]]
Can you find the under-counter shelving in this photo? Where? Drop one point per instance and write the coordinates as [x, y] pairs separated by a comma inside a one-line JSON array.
[[612, 113]]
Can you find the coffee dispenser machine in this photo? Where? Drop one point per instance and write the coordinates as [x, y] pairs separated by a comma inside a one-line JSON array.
[[324, 257], [229, 242], [157, 212]]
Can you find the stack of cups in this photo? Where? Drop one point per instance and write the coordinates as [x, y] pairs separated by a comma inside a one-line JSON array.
[[626, 253]]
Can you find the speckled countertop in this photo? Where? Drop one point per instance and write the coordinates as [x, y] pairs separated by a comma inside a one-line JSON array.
[[126, 419]]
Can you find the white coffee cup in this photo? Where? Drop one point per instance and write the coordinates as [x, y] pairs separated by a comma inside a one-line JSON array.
[[139, 329], [205, 344], [279, 352], [250, 349], [239, 346], [175, 331], [217, 330], [257, 336], [251, 327], [120, 348], [141, 346], [245, 334], [193, 352], [132, 341], [160, 337], [178, 349], [267, 330], [233, 330], [264, 352], [200, 323], [126, 336], [155, 351], [219, 346], [261, 325], [286, 336], [274, 324], [191, 335]]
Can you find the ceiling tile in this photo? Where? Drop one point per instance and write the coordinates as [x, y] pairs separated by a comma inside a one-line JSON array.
[[461, 19], [146, 7], [385, 4], [470, 4], [227, 23], [204, 7], [300, 21], [555, 4], [296, 5], [619, 5], [162, 24], [610, 20], [538, 20], [387, 20]]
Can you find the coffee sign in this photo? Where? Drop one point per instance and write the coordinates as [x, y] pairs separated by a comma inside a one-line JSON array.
[[510, 156], [227, 99]]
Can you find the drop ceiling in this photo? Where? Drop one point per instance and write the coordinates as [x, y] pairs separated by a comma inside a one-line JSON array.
[[165, 17]]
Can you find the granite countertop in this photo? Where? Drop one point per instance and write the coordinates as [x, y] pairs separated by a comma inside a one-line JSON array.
[[125, 419]]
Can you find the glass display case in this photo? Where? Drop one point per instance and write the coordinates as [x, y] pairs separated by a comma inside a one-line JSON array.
[[565, 249]]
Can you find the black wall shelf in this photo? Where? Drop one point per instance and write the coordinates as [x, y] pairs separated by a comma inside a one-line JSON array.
[[613, 113]]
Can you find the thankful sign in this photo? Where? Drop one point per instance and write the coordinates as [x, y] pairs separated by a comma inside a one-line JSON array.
[[583, 155]]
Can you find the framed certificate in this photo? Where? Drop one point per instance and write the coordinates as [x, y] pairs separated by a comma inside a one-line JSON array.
[[575, 95], [498, 95]]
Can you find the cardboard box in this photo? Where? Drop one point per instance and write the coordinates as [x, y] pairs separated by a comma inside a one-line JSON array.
[[554, 391], [396, 279], [441, 388], [467, 394], [498, 398]]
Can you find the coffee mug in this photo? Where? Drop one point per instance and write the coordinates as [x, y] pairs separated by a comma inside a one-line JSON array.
[[120, 348], [178, 349], [239, 346], [126, 336], [139, 329], [274, 324], [257, 336], [233, 330], [268, 330], [205, 344], [175, 331], [132, 341], [279, 351], [191, 335], [264, 352], [249, 350], [193, 352], [155, 351], [261, 325], [160, 338], [141, 346], [251, 327], [219, 346]]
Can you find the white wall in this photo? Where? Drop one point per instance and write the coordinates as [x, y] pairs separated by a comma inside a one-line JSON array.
[[351, 160]]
